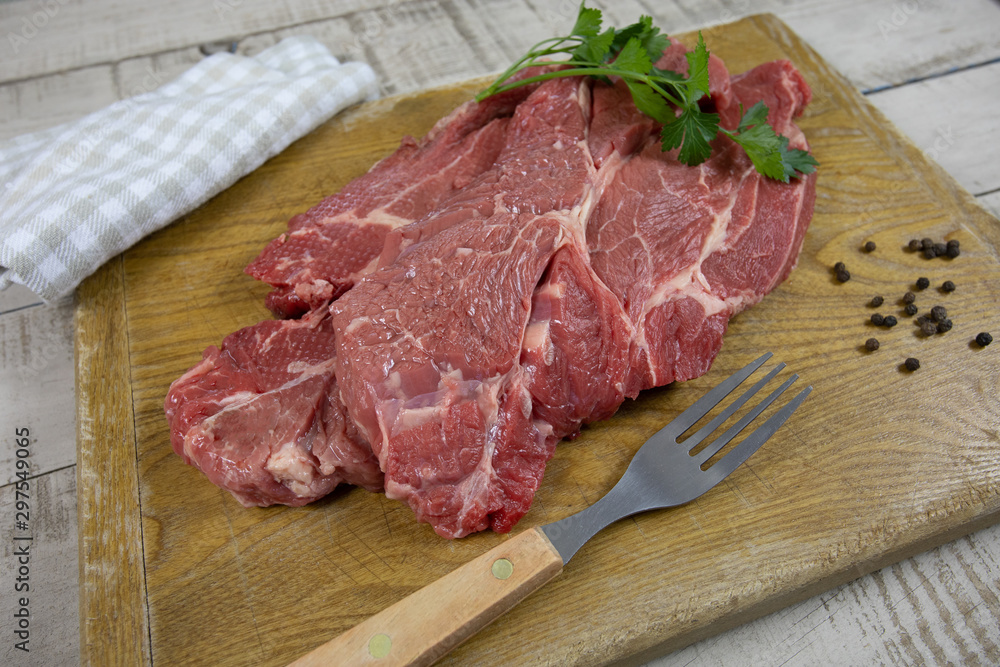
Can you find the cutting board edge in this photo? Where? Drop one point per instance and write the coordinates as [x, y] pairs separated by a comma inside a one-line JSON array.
[[785, 599], [114, 623]]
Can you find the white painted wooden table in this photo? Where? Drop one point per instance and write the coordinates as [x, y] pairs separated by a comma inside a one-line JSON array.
[[933, 67]]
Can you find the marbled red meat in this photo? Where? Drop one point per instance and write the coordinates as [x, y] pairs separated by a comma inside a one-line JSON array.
[[563, 265]]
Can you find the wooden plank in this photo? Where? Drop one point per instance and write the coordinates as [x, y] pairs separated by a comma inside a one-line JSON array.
[[37, 104], [36, 355], [886, 42], [954, 135], [17, 297], [902, 39], [365, 551], [113, 616], [50, 568], [60, 35], [940, 607]]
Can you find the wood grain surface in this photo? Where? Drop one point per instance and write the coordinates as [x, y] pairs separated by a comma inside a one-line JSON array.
[[877, 465]]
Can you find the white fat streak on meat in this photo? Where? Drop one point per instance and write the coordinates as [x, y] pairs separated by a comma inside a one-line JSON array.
[[537, 333], [405, 412], [691, 282], [288, 461]]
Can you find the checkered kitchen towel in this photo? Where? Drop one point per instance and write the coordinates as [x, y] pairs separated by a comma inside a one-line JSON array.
[[74, 196]]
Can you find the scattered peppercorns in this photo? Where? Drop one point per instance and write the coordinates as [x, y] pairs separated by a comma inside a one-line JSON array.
[[934, 322]]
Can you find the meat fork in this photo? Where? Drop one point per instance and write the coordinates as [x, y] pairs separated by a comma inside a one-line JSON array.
[[422, 628]]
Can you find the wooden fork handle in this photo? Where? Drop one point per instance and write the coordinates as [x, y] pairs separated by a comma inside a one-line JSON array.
[[422, 628]]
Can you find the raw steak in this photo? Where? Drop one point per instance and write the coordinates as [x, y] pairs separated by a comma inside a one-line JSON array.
[[261, 416], [514, 275], [328, 248], [594, 266]]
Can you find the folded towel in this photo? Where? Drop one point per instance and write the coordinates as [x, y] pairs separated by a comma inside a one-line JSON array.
[[73, 196]]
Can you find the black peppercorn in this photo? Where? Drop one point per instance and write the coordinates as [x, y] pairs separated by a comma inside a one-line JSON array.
[[877, 319], [948, 286], [889, 321], [944, 325], [939, 314], [843, 275], [839, 266], [923, 283], [871, 344], [928, 328], [926, 243], [916, 245], [909, 297], [911, 364], [877, 301], [984, 339], [870, 246], [940, 249], [953, 252], [930, 253], [910, 309]]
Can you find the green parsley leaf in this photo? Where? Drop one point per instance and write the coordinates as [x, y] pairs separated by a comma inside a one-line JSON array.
[[596, 48], [697, 78], [632, 58], [692, 131], [756, 115], [762, 146], [796, 160], [640, 30], [588, 22], [631, 54], [649, 102]]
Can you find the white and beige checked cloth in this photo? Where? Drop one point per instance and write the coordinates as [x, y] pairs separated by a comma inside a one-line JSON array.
[[73, 196]]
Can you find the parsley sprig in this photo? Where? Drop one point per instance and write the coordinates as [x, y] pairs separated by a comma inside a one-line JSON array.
[[630, 54]]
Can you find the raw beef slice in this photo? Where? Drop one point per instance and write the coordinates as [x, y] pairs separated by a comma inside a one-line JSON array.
[[261, 416], [602, 266], [555, 262]]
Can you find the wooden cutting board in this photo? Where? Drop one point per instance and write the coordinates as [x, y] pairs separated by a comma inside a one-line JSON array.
[[878, 464]]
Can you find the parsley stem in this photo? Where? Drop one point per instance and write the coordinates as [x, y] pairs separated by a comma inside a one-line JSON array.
[[578, 69]]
